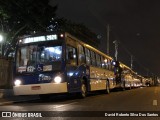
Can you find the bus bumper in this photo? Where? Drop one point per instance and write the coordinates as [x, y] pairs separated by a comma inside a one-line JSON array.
[[35, 89]]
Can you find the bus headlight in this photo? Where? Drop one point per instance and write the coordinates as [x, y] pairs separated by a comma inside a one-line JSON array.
[[17, 82], [57, 79]]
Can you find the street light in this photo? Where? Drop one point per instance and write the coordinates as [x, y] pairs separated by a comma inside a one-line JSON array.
[[1, 39]]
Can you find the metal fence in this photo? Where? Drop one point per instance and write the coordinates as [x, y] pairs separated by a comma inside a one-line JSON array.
[[6, 73]]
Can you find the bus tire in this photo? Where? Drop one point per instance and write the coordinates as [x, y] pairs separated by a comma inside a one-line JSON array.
[[124, 87], [107, 88], [83, 92]]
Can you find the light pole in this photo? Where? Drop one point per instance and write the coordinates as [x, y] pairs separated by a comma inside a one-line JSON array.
[[1, 40], [116, 49], [107, 39]]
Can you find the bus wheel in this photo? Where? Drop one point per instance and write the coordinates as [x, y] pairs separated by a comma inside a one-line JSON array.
[[107, 88], [83, 92], [123, 88]]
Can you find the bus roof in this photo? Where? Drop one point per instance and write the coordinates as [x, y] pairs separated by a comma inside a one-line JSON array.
[[87, 45]]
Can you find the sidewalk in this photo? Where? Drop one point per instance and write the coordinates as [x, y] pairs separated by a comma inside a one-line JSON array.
[[7, 97]]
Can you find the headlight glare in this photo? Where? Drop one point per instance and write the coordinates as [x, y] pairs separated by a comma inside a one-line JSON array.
[[57, 79], [17, 82]]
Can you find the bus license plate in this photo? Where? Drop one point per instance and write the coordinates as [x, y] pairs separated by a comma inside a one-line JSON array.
[[36, 87]]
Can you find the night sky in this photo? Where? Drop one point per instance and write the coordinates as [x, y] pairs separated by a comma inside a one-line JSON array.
[[134, 23]]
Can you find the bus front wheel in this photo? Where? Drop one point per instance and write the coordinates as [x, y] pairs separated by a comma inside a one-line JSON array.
[[83, 92]]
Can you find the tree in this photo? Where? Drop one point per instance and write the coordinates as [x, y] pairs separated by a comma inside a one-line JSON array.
[[78, 30], [19, 17]]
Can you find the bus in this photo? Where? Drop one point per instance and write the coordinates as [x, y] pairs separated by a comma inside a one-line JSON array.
[[54, 63], [129, 78]]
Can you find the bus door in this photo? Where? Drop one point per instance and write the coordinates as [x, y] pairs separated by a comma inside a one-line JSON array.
[[72, 64]]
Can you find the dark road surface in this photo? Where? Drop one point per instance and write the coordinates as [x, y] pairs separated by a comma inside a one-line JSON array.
[[135, 100]]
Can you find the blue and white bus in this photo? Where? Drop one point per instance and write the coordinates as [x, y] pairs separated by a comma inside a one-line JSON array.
[[60, 63]]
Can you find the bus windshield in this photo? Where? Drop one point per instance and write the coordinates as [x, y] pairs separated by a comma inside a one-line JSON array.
[[32, 58]]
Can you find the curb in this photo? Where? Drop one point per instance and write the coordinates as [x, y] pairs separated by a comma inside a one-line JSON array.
[[12, 102], [7, 97], [7, 103]]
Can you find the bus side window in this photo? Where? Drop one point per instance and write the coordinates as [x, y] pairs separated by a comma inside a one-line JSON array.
[[93, 59], [71, 55], [98, 60], [88, 59], [106, 63], [112, 65], [103, 62], [109, 64], [81, 55]]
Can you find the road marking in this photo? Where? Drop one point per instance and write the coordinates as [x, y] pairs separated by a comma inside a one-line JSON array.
[[156, 90], [155, 102], [58, 106]]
